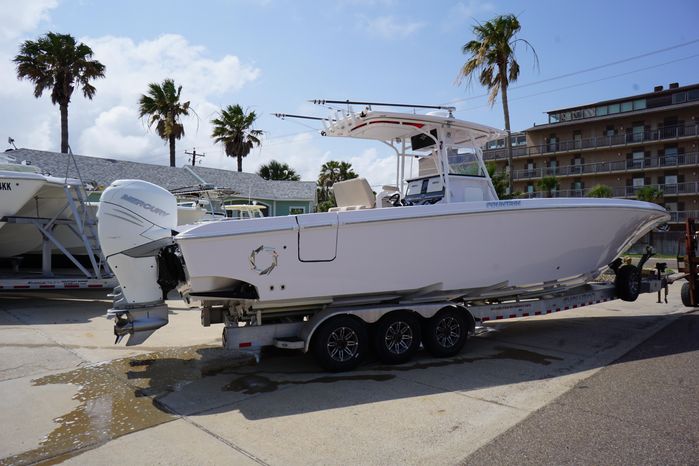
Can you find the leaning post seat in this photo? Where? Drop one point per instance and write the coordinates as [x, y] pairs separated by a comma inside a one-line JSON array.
[[353, 194]]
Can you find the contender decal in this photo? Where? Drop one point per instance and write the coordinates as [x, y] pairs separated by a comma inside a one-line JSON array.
[[499, 204]]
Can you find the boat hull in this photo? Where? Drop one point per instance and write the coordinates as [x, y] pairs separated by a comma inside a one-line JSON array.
[[486, 246]]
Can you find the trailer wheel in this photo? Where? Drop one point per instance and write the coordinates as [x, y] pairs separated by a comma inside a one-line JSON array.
[[627, 282], [340, 343], [397, 337], [686, 295], [446, 332]]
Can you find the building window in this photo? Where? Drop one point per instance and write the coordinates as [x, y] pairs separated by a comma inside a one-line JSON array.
[[627, 106], [610, 131], [639, 182], [670, 156], [637, 159], [297, 210], [639, 104], [614, 108], [638, 133], [552, 143], [601, 111], [530, 188], [679, 98]]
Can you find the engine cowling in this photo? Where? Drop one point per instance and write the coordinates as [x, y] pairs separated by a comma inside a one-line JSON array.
[[136, 222]]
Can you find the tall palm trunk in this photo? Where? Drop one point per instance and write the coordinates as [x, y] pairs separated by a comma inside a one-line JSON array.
[[508, 141], [240, 163], [64, 128], [172, 151]]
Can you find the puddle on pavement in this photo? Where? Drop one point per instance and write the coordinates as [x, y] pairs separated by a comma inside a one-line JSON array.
[[114, 398]]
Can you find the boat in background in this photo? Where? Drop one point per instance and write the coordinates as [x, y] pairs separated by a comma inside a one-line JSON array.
[[244, 211], [29, 194]]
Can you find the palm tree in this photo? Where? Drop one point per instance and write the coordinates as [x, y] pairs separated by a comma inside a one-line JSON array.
[[649, 194], [548, 184], [492, 55], [330, 173], [278, 171], [233, 129], [601, 190], [56, 62], [163, 108], [498, 180]]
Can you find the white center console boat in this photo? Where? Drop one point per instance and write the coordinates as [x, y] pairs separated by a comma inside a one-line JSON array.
[[439, 237]]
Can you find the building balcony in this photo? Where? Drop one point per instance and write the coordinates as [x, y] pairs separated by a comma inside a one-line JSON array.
[[677, 189], [665, 134], [619, 166]]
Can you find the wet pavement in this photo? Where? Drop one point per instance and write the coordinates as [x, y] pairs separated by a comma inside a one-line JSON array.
[[69, 395]]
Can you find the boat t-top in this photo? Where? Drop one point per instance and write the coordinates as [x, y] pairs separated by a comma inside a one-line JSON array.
[[441, 235]]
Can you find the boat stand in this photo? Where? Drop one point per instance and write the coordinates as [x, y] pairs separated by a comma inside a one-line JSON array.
[[80, 223]]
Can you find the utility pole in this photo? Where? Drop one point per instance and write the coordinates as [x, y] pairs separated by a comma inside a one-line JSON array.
[[194, 155]]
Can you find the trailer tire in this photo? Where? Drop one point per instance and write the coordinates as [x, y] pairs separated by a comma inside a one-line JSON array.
[[446, 332], [627, 282], [340, 343], [396, 337], [686, 295]]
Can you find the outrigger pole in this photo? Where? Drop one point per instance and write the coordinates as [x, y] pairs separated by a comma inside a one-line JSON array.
[[380, 104], [303, 117]]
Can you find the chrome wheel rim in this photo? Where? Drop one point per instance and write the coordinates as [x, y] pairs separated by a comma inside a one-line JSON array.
[[398, 337], [343, 344], [448, 332]]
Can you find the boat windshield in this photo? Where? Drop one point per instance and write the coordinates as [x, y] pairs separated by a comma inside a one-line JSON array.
[[464, 161]]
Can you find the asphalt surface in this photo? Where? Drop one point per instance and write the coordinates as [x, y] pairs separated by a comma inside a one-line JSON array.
[[642, 409]]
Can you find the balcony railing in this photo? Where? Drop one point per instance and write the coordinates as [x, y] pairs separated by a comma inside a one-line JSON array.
[[668, 161], [691, 187], [661, 134]]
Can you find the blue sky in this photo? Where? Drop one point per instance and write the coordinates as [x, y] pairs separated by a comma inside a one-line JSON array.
[[271, 56]]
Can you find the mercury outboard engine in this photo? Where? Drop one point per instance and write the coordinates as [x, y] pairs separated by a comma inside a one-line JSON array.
[[137, 220]]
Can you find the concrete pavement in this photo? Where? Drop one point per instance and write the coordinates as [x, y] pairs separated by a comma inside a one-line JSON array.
[[69, 395]]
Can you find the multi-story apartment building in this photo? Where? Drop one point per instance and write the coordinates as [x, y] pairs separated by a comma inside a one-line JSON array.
[[627, 143]]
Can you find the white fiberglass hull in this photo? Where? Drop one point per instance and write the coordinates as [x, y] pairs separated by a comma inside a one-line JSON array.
[[443, 247], [16, 189], [48, 201]]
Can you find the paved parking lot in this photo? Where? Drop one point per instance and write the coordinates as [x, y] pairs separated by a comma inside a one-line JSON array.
[[69, 394]]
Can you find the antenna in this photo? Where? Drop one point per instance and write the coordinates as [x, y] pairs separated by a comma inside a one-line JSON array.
[[380, 104], [11, 142]]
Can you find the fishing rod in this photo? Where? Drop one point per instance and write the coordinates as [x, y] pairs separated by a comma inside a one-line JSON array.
[[380, 104]]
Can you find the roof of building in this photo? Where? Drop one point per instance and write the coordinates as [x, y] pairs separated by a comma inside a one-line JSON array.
[[658, 93], [104, 171]]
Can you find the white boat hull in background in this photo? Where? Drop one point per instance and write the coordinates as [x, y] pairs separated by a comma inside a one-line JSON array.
[[16, 189], [47, 202], [458, 246]]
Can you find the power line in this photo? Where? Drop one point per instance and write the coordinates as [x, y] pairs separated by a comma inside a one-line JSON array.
[[589, 82], [586, 70]]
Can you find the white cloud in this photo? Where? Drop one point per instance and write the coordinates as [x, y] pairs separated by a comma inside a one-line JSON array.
[[109, 123], [23, 16], [390, 27], [118, 133]]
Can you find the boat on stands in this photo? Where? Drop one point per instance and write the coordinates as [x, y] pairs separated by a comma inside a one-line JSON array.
[[441, 235], [29, 195]]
